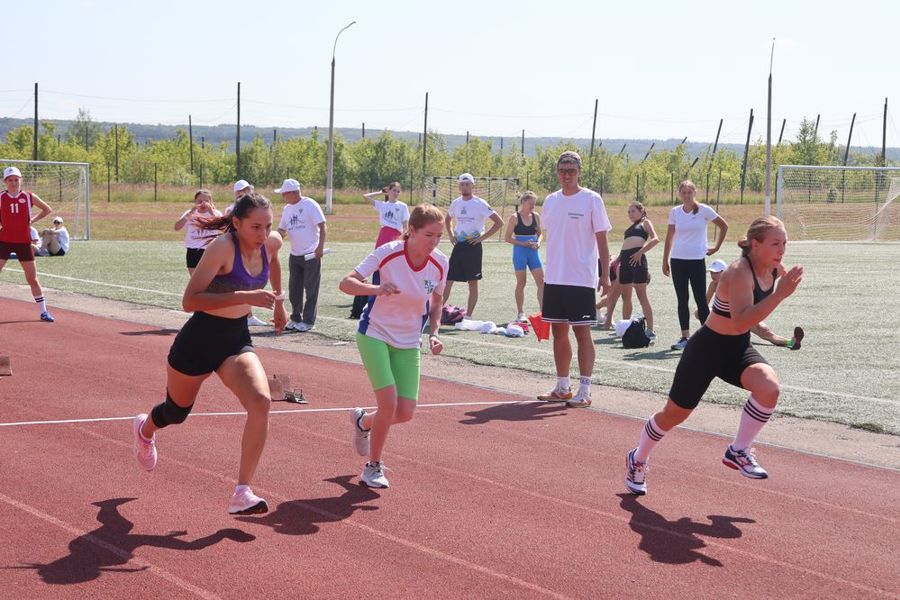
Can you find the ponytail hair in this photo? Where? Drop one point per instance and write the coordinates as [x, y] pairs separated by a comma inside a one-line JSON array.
[[525, 196], [758, 231], [243, 207], [422, 215], [687, 183], [389, 187], [641, 208]]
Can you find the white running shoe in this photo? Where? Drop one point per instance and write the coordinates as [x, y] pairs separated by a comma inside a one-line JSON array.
[[360, 436], [521, 318], [745, 462], [247, 503], [291, 325], [651, 335], [373, 475], [303, 327], [635, 475], [144, 450], [680, 344], [254, 322], [582, 399]]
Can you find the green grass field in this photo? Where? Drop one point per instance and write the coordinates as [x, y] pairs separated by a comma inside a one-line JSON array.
[[847, 371]]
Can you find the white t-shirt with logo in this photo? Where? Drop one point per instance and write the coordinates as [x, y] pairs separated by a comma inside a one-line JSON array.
[[469, 217], [690, 231], [391, 214], [571, 223], [195, 236], [397, 319], [301, 221]]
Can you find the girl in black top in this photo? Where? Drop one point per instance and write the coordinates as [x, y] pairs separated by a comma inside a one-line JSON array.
[[524, 233], [640, 238]]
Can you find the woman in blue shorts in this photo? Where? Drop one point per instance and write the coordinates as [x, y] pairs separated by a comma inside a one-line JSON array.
[[524, 233]]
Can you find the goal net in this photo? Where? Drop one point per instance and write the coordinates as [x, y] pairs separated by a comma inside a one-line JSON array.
[[65, 186], [499, 192], [839, 203]]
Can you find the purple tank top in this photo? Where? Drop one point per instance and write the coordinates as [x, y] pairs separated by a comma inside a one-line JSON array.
[[239, 279]]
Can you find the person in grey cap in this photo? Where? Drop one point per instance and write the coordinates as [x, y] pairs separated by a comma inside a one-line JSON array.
[[304, 223], [468, 214]]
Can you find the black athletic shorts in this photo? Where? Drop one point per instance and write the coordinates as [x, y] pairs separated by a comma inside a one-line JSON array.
[[206, 341], [192, 257], [24, 252], [709, 355], [629, 274], [465, 262], [570, 304]]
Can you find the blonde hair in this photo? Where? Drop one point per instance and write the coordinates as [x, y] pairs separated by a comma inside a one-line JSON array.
[[525, 196], [687, 183], [422, 215], [758, 231]]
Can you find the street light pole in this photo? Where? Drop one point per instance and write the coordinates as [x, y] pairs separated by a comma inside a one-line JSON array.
[[329, 182]]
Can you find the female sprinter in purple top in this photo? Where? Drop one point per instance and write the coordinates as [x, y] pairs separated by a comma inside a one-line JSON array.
[[228, 280]]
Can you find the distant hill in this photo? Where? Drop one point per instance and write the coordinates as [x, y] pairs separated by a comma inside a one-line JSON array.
[[636, 149]]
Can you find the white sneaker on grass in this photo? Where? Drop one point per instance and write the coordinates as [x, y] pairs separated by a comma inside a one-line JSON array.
[[303, 327], [360, 436], [255, 322], [247, 503], [651, 335], [144, 450], [373, 475], [291, 325]]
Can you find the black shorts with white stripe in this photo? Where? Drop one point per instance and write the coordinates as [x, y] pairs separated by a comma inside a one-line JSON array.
[[570, 304]]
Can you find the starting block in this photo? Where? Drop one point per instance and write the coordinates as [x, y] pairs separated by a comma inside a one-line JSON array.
[[281, 389], [5, 366]]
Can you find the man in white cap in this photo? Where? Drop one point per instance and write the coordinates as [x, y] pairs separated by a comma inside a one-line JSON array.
[[576, 223], [56, 239], [468, 214], [303, 222], [761, 330], [15, 231]]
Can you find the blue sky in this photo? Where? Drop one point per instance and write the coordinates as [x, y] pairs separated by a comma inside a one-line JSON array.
[[659, 69]]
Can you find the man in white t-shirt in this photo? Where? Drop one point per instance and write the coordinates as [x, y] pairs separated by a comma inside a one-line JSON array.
[[465, 226], [304, 224], [55, 241], [576, 223]]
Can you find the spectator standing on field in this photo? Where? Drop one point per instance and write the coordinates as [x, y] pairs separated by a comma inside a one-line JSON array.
[[304, 224]]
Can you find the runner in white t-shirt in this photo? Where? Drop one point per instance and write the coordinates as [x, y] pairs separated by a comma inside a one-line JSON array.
[[303, 222], [408, 278], [465, 226], [393, 215], [576, 223], [196, 237], [686, 244]]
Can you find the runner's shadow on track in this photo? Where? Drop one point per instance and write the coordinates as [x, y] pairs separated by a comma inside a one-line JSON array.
[[656, 355], [160, 332], [303, 517], [112, 544], [677, 542], [531, 411], [19, 321]]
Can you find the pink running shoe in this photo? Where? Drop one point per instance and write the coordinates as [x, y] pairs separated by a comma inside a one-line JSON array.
[[144, 450]]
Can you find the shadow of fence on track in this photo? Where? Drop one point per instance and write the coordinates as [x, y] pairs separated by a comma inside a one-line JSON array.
[[677, 542], [531, 411], [111, 546], [303, 517]]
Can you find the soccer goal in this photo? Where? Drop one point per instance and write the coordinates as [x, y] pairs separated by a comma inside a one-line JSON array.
[[499, 192], [65, 186], [839, 203]]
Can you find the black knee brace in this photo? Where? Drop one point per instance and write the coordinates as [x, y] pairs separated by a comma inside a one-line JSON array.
[[169, 413]]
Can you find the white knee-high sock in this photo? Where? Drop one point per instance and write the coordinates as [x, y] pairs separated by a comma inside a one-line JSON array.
[[651, 434], [753, 419], [41, 303]]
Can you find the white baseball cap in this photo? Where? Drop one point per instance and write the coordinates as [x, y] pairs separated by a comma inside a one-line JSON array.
[[288, 185], [717, 266], [241, 184], [57, 219], [10, 171], [466, 177]]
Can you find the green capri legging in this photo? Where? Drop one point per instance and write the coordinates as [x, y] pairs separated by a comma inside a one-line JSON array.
[[388, 366]]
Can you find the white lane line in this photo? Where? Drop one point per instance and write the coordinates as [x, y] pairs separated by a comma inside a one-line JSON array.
[[111, 548], [272, 412], [633, 364]]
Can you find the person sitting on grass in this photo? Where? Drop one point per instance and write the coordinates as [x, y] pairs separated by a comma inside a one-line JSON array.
[[55, 241]]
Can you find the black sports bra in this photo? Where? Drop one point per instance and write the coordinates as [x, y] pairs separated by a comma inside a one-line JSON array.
[[636, 229], [523, 229], [723, 308]]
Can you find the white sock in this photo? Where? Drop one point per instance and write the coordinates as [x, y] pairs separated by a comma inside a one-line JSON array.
[[585, 382], [562, 383], [41, 303], [753, 419], [651, 434], [238, 489]]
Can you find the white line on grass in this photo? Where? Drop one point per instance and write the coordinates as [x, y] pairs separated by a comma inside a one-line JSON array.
[[539, 350], [272, 412]]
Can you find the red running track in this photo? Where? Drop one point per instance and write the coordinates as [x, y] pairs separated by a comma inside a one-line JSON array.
[[494, 501]]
